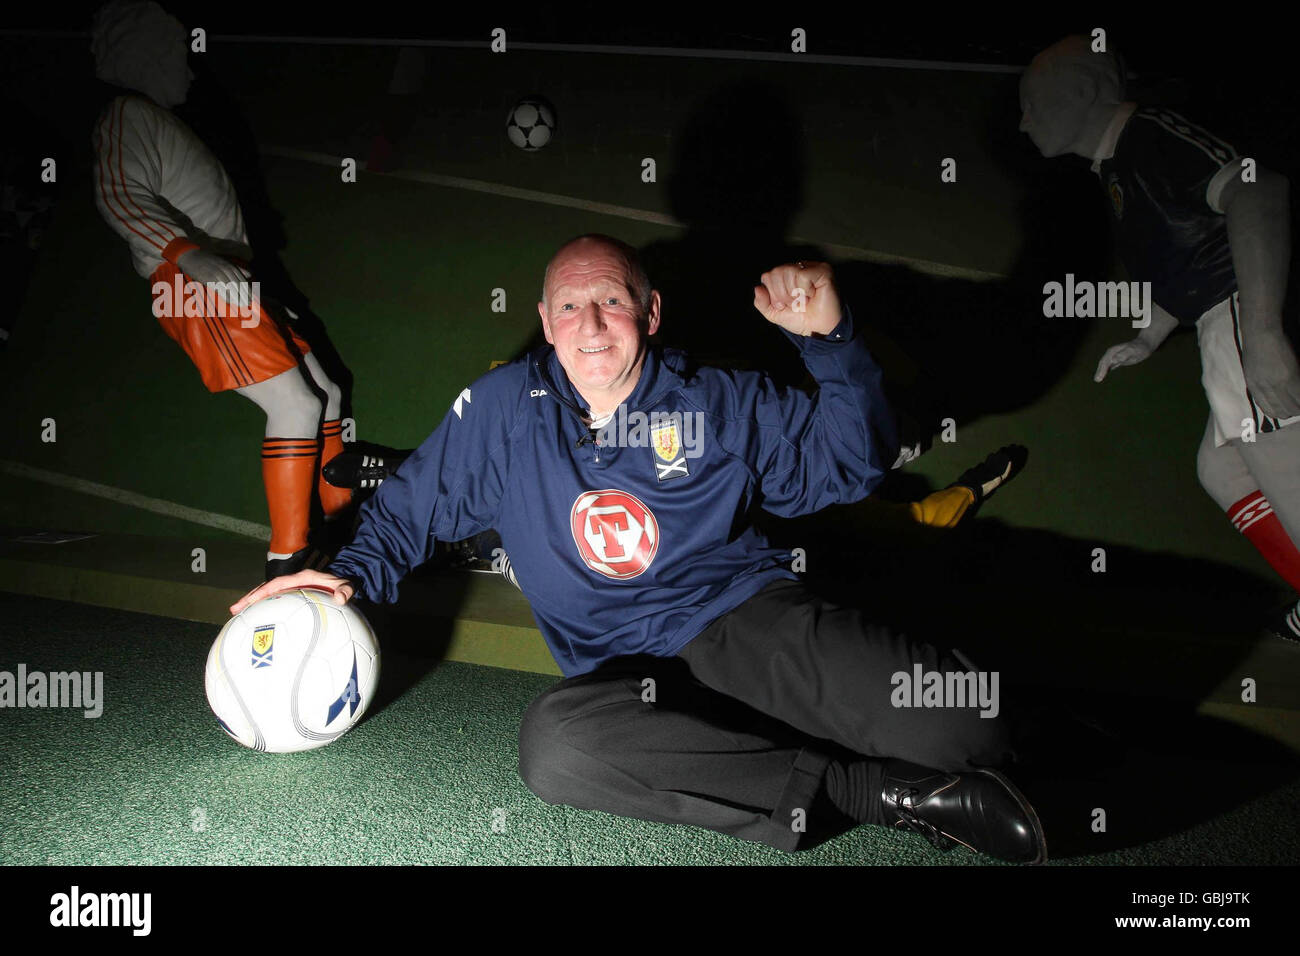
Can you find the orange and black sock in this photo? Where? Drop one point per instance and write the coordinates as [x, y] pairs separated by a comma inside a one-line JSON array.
[[332, 500], [289, 465]]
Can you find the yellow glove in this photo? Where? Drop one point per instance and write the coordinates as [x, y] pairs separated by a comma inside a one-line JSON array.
[[944, 508]]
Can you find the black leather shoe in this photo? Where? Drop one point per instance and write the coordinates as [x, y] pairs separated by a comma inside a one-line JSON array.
[[979, 809]]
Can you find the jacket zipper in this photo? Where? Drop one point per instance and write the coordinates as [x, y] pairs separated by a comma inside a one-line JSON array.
[[552, 392]]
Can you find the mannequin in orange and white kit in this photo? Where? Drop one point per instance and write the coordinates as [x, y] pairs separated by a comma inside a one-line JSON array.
[[159, 188]]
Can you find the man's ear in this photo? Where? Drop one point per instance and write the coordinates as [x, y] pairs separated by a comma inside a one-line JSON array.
[[652, 324], [546, 322], [1086, 89]]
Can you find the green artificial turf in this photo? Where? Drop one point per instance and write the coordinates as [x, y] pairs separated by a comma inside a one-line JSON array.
[[424, 778]]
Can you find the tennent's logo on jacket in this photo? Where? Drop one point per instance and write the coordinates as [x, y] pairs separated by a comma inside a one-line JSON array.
[[616, 534]]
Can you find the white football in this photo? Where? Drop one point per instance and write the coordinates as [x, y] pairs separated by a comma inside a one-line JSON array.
[[292, 672], [531, 123]]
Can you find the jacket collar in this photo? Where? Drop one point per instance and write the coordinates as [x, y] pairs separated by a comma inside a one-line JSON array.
[[1110, 138], [663, 371]]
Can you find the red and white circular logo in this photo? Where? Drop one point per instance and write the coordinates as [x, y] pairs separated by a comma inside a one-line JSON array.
[[615, 533]]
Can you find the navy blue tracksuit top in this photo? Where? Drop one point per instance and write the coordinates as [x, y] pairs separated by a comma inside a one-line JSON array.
[[634, 546]]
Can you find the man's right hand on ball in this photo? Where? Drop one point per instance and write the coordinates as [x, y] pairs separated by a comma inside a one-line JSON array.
[[341, 587]]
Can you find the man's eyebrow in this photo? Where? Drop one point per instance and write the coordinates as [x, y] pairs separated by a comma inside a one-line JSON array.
[[560, 290]]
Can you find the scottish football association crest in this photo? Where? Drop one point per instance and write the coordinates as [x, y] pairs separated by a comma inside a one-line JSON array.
[[1116, 197], [670, 459], [263, 645]]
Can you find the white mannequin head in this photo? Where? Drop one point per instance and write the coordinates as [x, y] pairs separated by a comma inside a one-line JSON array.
[[139, 46], [1067, 95]]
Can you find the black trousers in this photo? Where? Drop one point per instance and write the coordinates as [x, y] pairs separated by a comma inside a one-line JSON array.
[[736, 733]]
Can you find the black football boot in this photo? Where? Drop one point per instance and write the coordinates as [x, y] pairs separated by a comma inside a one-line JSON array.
[[1285, 623], [354, 470], [300, 560], [365, 469]]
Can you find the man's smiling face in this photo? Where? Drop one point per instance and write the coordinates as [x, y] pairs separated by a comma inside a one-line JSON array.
[[596, 321]]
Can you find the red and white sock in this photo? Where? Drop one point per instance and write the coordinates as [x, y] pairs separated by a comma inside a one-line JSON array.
[[1253, 516]]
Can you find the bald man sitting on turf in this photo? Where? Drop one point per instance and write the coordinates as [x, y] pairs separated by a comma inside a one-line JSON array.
[[703, 683]]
